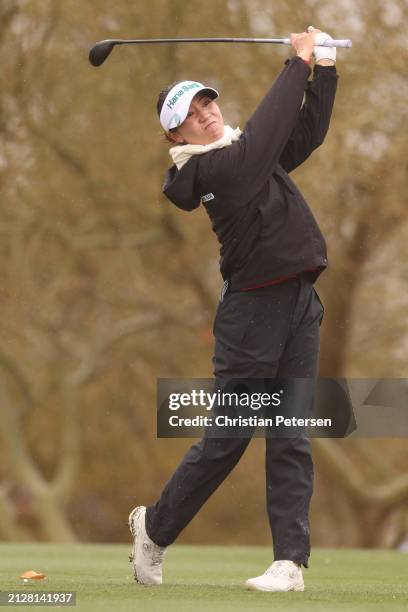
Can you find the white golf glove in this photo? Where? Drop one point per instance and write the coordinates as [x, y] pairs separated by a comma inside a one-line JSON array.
[[320, 52]]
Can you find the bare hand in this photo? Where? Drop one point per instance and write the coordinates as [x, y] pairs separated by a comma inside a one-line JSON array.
[[303, 43]]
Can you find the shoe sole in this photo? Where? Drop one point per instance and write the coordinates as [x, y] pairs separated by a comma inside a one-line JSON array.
[[252, 587], [133, 531]]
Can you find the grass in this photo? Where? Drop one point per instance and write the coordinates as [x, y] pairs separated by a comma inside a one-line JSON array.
[[209, 578]]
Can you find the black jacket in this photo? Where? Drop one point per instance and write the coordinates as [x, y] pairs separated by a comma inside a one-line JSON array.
[[263, 223]]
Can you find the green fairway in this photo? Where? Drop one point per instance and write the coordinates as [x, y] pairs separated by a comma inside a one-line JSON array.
[[209, 578]]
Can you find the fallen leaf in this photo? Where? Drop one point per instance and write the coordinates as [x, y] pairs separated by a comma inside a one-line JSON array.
[[32, 575]]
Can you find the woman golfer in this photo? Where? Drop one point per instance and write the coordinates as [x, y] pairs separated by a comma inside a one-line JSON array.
[[268, 319]]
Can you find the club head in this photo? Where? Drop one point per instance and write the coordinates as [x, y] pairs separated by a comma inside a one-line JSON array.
[[100, 52]]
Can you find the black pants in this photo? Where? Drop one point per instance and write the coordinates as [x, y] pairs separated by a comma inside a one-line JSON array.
[[263, 333]]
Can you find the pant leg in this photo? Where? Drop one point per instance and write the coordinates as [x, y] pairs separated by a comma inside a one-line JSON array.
[[204, 467], [289, 464], [289, 487], [207, 463]]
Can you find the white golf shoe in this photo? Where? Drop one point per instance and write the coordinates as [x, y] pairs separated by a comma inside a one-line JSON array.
[[280, 576], [147, 557]]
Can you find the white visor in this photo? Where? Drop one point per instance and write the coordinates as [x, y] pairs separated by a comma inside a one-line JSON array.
[[177, 102]]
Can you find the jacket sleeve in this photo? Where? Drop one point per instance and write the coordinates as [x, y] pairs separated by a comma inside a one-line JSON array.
[[245, 166], [314, 118]]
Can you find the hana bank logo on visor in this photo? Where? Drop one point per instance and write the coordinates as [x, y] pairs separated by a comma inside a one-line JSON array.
[[178, 100], [184, 89]]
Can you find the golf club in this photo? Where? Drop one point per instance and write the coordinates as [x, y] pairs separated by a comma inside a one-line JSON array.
[[101, 50]]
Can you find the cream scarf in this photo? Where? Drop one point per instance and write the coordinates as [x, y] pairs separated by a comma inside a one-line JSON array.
[[182, 153]]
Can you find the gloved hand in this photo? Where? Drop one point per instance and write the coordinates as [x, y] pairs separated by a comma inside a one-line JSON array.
[[320, 52]]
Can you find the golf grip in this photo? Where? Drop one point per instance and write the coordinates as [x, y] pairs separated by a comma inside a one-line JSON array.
[[345, 43], [337, 43]]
